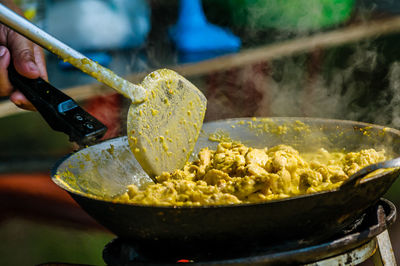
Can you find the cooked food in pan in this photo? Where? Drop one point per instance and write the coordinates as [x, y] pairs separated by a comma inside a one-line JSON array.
[[234, 174]]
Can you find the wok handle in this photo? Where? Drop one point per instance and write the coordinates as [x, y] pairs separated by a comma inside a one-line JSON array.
[[60, 111], [355, 178]]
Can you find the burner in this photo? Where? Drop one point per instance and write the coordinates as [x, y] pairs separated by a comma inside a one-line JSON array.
[[374, 221]]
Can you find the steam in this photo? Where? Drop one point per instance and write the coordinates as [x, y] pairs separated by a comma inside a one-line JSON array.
[[359, 88], [391, 109], [313, 84]]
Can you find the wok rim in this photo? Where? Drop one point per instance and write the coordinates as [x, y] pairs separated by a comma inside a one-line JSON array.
[[241, 205]]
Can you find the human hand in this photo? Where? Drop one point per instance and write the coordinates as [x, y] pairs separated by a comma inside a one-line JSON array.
[[27, 57]]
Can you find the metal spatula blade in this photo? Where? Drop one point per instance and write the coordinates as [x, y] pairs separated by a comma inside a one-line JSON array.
[[163, 130]]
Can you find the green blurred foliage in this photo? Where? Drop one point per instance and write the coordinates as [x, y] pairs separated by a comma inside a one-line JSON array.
[[302, 15], [29, 243], [27, 133]]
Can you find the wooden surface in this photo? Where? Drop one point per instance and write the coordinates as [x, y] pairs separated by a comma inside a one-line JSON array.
[[346, 35]]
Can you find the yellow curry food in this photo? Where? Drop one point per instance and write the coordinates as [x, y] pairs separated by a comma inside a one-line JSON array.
[[234, 174]]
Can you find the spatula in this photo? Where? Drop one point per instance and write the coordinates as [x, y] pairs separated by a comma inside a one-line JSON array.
[[60, 111], [167, 111]]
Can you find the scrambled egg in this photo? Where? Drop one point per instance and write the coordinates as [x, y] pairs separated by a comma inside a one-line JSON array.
[[234, 174]]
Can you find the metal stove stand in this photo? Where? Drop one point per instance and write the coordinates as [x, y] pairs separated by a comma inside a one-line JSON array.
[[379, 248], [368, 238]]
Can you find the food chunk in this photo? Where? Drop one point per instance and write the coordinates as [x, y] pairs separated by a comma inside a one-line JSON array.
[[234, 174]]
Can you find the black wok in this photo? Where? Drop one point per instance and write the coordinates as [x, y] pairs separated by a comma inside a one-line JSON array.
[[93, 175]]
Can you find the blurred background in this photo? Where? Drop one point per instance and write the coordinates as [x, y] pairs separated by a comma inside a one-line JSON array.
[[319, 58]]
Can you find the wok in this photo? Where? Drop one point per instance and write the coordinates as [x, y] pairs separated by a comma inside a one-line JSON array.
[[93, 175]]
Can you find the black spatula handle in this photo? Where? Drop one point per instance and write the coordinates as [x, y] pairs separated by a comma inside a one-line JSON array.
[[60, 111]]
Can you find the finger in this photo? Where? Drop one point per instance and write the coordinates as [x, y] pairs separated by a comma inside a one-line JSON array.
[[23, 55], [5, 85], [40, 61], [19, 99]]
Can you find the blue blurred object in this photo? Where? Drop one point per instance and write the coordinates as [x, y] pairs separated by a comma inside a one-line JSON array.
[[197, 39], [187, 57], [102, 58]]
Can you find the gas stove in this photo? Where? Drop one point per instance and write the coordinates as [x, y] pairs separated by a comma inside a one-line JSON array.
[[368, 236]]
